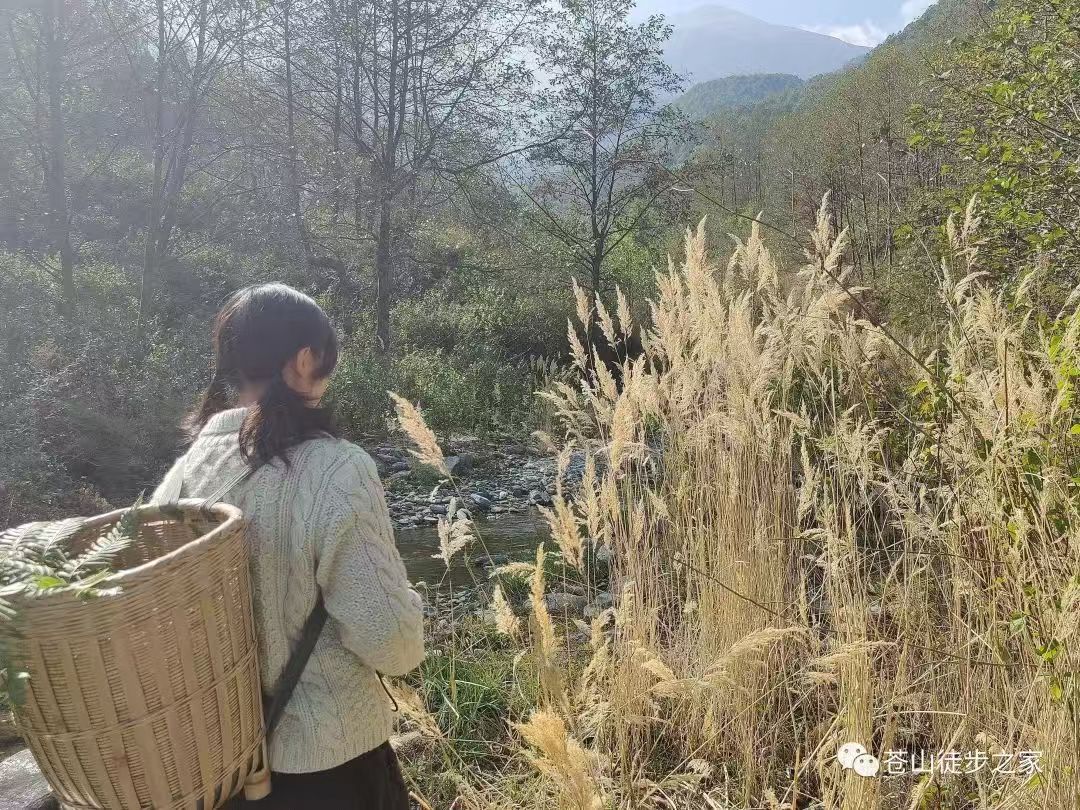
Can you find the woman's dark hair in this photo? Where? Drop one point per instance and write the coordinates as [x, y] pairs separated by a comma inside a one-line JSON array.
[[258, 331]]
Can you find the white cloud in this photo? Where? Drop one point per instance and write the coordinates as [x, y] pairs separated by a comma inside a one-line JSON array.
[[869, 33], [911, 10], [866, 33]]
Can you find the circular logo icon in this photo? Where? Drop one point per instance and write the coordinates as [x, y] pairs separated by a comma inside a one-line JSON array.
[[847, 753], [866, 765]]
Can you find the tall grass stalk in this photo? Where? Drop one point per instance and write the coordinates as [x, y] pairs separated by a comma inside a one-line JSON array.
[[818, 536]]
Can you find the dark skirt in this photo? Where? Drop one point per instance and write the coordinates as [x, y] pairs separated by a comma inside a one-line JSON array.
[[372, 781]]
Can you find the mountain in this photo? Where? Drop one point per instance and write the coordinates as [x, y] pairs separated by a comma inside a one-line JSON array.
[[704, 100], [712, 42], [945, 20]]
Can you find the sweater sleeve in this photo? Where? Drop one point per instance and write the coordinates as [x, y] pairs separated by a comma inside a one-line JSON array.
[[361, 575], [171, 484]]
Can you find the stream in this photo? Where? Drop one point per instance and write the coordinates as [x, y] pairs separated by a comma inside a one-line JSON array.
[[507, 538]]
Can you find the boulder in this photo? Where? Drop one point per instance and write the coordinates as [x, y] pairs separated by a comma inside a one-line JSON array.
[[461, 464], [22, 787], [480, 502], [458, 441], [539, 498], [560, 602]]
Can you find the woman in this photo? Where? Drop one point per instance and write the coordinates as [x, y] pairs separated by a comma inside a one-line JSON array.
[[317, 526]]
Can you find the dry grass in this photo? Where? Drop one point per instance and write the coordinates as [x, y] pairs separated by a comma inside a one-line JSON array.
[[426, 448], [818, 535]]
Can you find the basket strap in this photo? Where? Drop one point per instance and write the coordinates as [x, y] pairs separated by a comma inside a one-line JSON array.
[[174, 487], [274, 703], [230, 483]]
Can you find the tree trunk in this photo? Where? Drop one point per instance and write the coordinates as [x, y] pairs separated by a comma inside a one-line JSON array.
[[59, 225], [384, 278], [596, 262], [889, 203], [734, 184], [180, 154], [153, 219], [290, 131], [386, 187], [339, 96], [794, 223], [358, 116]]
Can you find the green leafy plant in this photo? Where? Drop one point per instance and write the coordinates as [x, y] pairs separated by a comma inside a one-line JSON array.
[[36, 559]]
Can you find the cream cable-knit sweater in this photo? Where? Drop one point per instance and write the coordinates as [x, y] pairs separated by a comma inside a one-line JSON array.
[[321, 522]]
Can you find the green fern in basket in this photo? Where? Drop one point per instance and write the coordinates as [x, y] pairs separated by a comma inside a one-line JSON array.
[[36, 559]]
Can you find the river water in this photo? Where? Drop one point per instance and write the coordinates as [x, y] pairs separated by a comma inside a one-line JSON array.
[[514, 535]]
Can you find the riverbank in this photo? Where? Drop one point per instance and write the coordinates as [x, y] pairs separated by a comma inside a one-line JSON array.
[[490, 478]]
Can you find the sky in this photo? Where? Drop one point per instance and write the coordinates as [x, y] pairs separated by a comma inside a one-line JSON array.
[[860, 22]]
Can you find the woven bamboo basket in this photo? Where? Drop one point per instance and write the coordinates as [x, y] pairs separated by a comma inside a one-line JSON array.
[[150, 697]]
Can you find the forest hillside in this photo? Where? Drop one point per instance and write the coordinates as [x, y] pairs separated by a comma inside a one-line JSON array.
[[707, 99]]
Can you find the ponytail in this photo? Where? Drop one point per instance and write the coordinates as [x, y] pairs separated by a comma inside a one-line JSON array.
[[215, 399]]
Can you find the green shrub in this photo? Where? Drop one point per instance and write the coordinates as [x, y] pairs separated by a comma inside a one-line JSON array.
[[358, 392], [473, 697]]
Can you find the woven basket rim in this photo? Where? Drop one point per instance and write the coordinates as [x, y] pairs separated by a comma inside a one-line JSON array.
[[232, 518]]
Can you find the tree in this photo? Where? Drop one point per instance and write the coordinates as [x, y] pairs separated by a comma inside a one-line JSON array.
[[426, 93], [43, 79], [606, 79], [193, 41], [53, 15], [1007, 118]]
